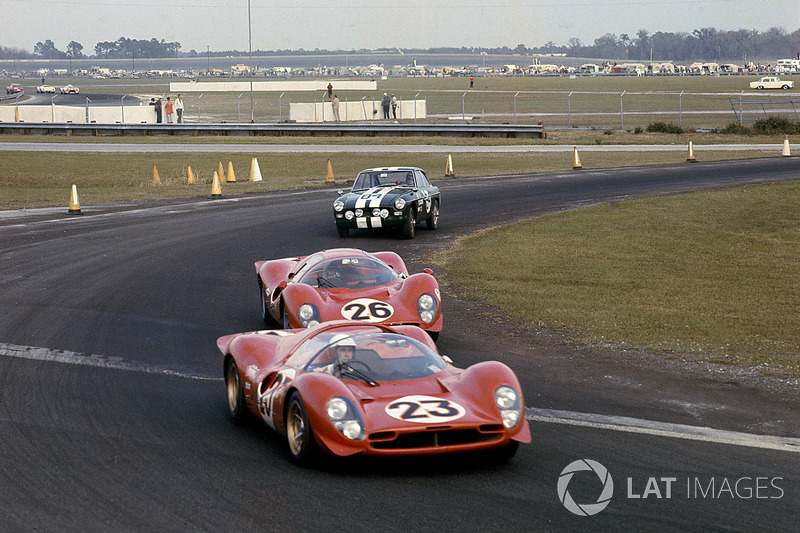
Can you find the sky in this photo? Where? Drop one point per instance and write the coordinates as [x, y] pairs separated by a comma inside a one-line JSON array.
[[355, 24]]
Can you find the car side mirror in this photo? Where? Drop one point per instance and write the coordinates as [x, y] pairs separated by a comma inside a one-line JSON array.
[[428, 271], [282, 284], [340, 192], [447, 359]]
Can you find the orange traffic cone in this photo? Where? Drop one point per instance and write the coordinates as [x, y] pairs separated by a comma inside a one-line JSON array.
[[787, 152], [690, 158], [576, 160], [216, 190], [156, 179], [190, 174], [231, 174], [448, 168], [329, 177], [220, 172], [74, 204]]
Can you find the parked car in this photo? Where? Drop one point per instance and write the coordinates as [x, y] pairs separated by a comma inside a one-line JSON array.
[[45, 89], [388, 197], [355, 388], [346, 283], [771, 82], [14, 88], [70, 89]]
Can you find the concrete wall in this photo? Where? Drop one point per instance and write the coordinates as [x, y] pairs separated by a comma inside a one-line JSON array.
[[358, 111], [64, 114], [272, 86]]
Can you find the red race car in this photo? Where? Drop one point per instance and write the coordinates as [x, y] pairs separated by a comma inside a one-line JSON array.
[[347, 388], [345, 283]]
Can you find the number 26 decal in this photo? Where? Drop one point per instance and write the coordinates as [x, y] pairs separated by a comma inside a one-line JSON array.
[[368, 310], [424, 409]]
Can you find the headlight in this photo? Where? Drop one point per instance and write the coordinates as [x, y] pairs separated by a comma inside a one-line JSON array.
[[376, 212], [349, 215], [399, 203], [384, 213], [510, 405], [308, 314], [359, 212], [427, 307], [345, 417], [338, 206]]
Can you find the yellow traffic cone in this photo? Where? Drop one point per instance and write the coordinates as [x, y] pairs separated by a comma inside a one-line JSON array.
[[448, 169], [786, 150], [231, 174], [329, 176], [190, 174], [220, 172], [255, 172], [690, 158], [74, 204], [216, 190], [576, 160], [156, 179]]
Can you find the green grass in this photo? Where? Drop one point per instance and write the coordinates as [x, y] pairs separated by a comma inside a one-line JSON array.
[[709, 275], [44, 179]]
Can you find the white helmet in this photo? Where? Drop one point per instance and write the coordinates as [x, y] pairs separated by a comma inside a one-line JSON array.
[[343, 339]]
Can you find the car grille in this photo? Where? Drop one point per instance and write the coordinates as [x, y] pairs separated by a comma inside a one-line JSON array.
[[432, 438]]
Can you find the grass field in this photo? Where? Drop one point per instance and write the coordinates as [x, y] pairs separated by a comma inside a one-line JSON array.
[[710, 275]]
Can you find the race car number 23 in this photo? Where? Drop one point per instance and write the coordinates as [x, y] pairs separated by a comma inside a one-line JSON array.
[[368, 310], [424, 409]]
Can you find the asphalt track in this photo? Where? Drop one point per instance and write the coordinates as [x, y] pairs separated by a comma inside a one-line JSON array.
[[113, 412]]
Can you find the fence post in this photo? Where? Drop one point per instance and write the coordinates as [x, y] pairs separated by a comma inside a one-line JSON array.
[[415, 108], [198, 106], [680, 110], [621, 111], [462, 106], [569, 109], [280, 108], [515, 107], [238, 107]]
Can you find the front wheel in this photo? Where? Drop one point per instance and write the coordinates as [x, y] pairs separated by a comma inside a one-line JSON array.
[[409, 226], [264, 305], [785, 87], [299, 436], [342, 231]]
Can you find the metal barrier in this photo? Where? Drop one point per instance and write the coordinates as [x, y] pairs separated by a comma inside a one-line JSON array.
[[766, 106], [279, 130]]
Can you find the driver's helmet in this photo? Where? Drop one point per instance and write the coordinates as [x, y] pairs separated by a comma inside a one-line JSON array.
[[332, 271], [343, 344], [409, 179]]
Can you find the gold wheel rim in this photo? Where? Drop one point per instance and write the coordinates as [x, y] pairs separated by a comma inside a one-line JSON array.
[[295, 429], [233, 389]]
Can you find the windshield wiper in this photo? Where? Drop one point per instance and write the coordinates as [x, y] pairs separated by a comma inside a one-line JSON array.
[[344, 368]]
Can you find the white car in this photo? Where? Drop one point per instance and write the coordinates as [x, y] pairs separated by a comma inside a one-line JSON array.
[[70, 89], [45, 89], [771, 82]]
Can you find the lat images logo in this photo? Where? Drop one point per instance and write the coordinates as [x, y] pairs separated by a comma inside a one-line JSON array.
[[586, 509]]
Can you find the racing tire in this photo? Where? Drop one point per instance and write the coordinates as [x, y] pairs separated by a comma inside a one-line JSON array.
[[299, 436], [263, 297], [285, 318], [434, 335], [235, 393], [433, 220], [342, 231], [410, 224]]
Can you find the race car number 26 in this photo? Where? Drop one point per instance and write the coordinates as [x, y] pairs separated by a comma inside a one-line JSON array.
[[424, 409], [367, 309]]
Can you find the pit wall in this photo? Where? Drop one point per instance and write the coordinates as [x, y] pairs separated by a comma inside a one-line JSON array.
[[65, 114], [359, 111]]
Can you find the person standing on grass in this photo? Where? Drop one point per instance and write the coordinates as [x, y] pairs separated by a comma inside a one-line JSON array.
[[385, 103], [335, 104], [179, 108], [169, 110]]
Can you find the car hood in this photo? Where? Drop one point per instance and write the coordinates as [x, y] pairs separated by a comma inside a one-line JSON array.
[[374, 197]]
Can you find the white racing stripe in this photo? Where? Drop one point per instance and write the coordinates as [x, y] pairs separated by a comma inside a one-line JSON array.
[[372, 197], [663, 429], [74, 358]]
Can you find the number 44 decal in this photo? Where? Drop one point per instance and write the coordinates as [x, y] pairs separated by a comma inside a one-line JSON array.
[[367, 309], [424, 409]]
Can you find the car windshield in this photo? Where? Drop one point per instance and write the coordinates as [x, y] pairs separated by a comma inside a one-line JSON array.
[[348, 272], [378, 178], [376, 357]]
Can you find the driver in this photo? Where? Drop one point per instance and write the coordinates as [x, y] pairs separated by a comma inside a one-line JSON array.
[[410, 179], [344, 349]]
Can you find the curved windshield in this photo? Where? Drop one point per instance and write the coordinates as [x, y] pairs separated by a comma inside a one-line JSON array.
[[376, 357], [348, 272], [379, 178]]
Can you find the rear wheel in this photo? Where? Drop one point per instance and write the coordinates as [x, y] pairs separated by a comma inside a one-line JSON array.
[[299, 436], [433, 220], [410, 224], [235, 392]]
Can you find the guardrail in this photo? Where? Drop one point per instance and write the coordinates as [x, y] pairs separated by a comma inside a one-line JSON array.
[[278, 129]]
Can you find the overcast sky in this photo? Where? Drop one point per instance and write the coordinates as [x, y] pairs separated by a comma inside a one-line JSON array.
[[354, 24]]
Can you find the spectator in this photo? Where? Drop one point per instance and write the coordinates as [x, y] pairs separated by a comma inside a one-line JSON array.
[[385, 103], [179, 108], [335, 104], [394, 107], [169, 110]]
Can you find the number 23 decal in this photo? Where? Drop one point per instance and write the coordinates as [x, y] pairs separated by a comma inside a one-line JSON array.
[[424, 409], [368, 310]]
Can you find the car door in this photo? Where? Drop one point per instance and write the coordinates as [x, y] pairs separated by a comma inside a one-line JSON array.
[[427, 192]]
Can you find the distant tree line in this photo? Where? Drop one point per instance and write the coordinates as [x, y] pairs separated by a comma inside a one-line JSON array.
[[700, 44]]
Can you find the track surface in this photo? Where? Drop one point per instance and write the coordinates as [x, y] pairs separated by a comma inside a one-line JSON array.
[[135, 435]]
